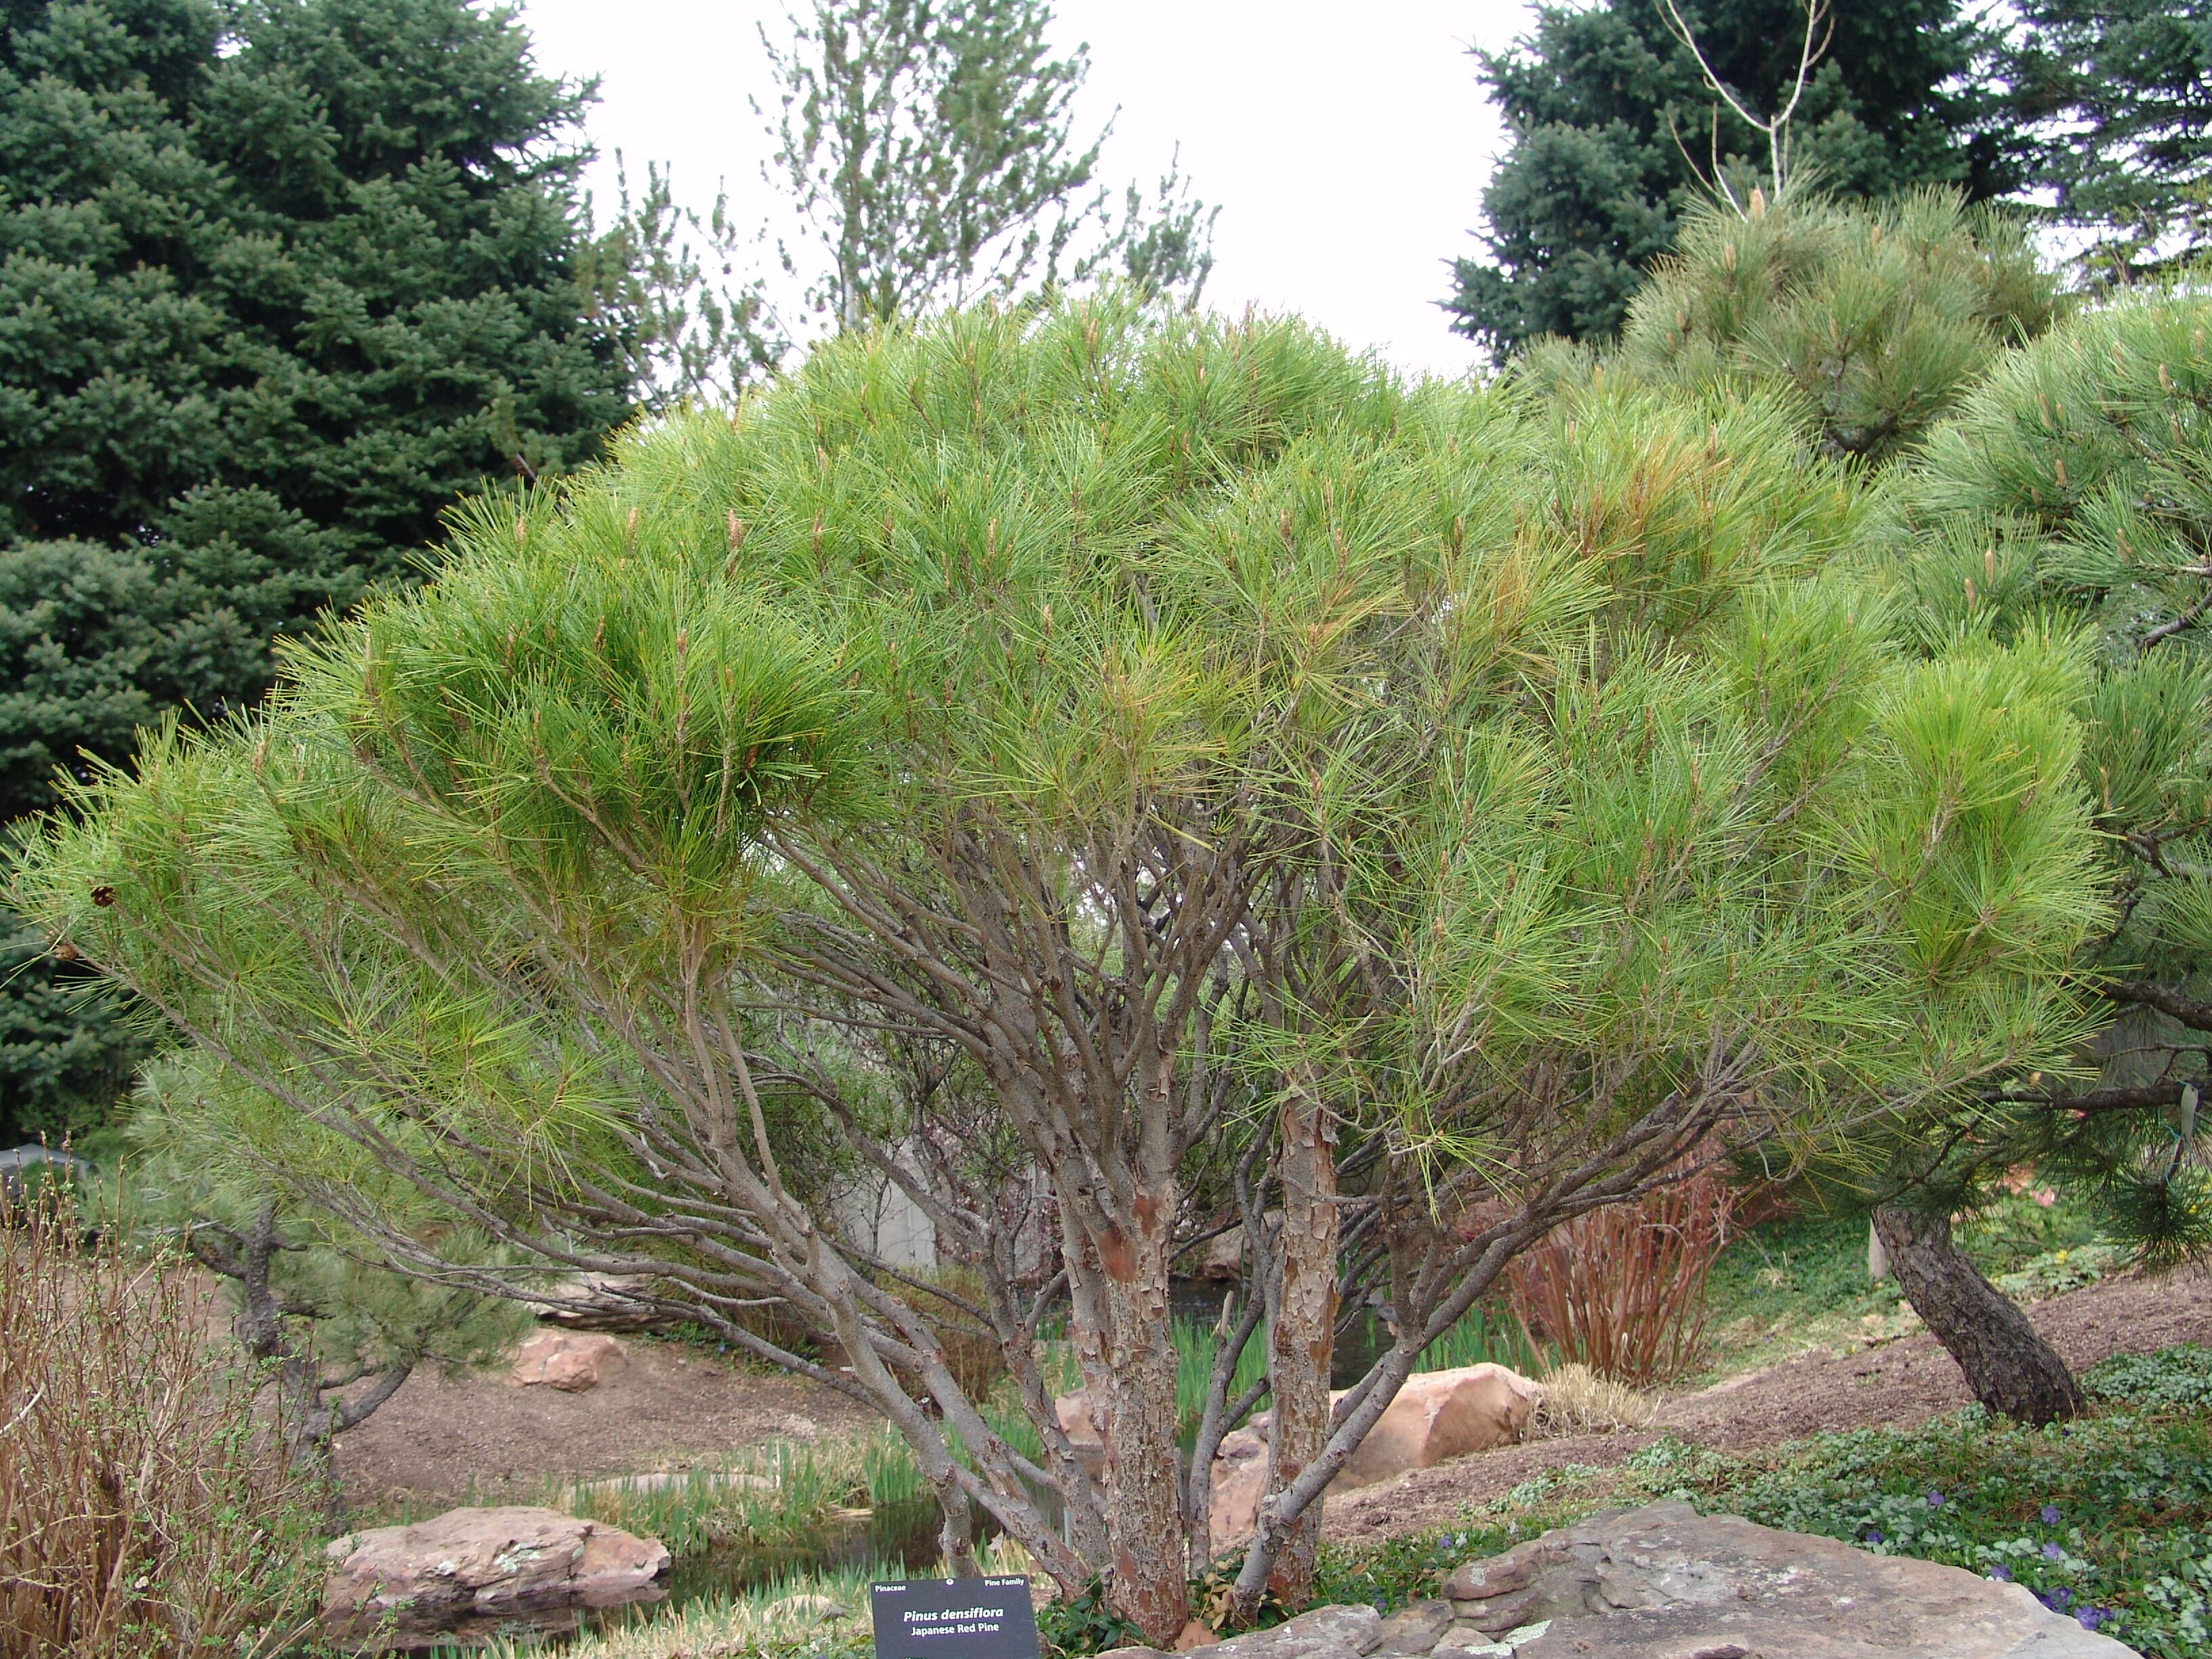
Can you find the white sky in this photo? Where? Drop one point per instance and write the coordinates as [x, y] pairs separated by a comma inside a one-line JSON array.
[[1346, 143]]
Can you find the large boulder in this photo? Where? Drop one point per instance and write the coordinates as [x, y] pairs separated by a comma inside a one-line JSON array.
[[1436, 1415], [571, 1361], [469, 1575], [1662, 1582], [1442, 1414]]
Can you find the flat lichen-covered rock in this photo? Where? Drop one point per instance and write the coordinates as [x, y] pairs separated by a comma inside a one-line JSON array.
[[1666, 1583]]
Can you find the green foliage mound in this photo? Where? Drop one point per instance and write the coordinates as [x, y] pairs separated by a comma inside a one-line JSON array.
[[2074, 492], [1873, 321]]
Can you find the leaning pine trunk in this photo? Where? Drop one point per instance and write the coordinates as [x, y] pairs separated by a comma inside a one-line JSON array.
[[2009, 1368], [1137, 1380], [1302, 1340]]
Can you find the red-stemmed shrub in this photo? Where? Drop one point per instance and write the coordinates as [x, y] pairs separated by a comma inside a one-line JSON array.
[[1622, 1290]]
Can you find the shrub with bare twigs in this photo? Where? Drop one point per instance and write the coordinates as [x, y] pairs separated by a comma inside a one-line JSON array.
[[139, 1511]]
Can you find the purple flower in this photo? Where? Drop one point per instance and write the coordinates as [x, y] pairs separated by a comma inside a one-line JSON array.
[[2050, 1514], [1935, 1500], [2002, 1573], [2057, 1600], [2091, 1618], [1874, 1535], [2052, 1551]]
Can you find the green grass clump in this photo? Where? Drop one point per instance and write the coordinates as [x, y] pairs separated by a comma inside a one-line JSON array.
[[1482, 1337], [750, 1623], [777, 1493]]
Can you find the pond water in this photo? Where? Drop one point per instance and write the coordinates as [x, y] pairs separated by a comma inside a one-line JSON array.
[[901, 1538]]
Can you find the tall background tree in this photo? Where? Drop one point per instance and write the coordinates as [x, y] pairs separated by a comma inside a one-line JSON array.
[[1611, 125], [278, 284], [931, 148], [2122, 92]]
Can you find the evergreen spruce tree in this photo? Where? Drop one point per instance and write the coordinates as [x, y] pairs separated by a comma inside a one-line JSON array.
[[278, 284], [1613, 132], [2125, 88]]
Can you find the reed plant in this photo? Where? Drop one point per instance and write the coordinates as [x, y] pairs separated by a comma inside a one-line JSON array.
[[1481, 1337], [821, 1610], [141, 1508], [768, 1495]]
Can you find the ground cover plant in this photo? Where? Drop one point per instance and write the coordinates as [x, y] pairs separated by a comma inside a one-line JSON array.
[[1031, 760]]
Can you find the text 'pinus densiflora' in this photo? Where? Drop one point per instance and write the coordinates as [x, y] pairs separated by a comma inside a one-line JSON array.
[[1105, 776]]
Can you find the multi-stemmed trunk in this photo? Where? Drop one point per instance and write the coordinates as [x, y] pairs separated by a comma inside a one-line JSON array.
[[309, 1415]]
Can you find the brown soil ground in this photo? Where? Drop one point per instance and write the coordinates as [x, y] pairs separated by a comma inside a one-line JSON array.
[[1901, 1382], [441, 1440]]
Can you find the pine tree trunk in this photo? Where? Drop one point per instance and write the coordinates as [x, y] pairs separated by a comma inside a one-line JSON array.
[[1143, 1476], [1303, 1338], [2010, 1369]]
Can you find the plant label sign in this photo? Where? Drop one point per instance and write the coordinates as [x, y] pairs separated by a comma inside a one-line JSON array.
[[954, 1618]]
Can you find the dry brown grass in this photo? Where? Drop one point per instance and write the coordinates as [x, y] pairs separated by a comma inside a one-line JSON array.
[[1578, 1400], [138, 1513]]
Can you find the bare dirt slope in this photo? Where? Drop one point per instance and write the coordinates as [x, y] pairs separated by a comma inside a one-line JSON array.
[[1901, 1382], [438, 1442]]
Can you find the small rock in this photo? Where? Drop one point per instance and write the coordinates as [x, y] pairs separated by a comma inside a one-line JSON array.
[[813, 1609], [1323, 1633], [1481, 1580], [571, 1361], [1414, 1630]]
